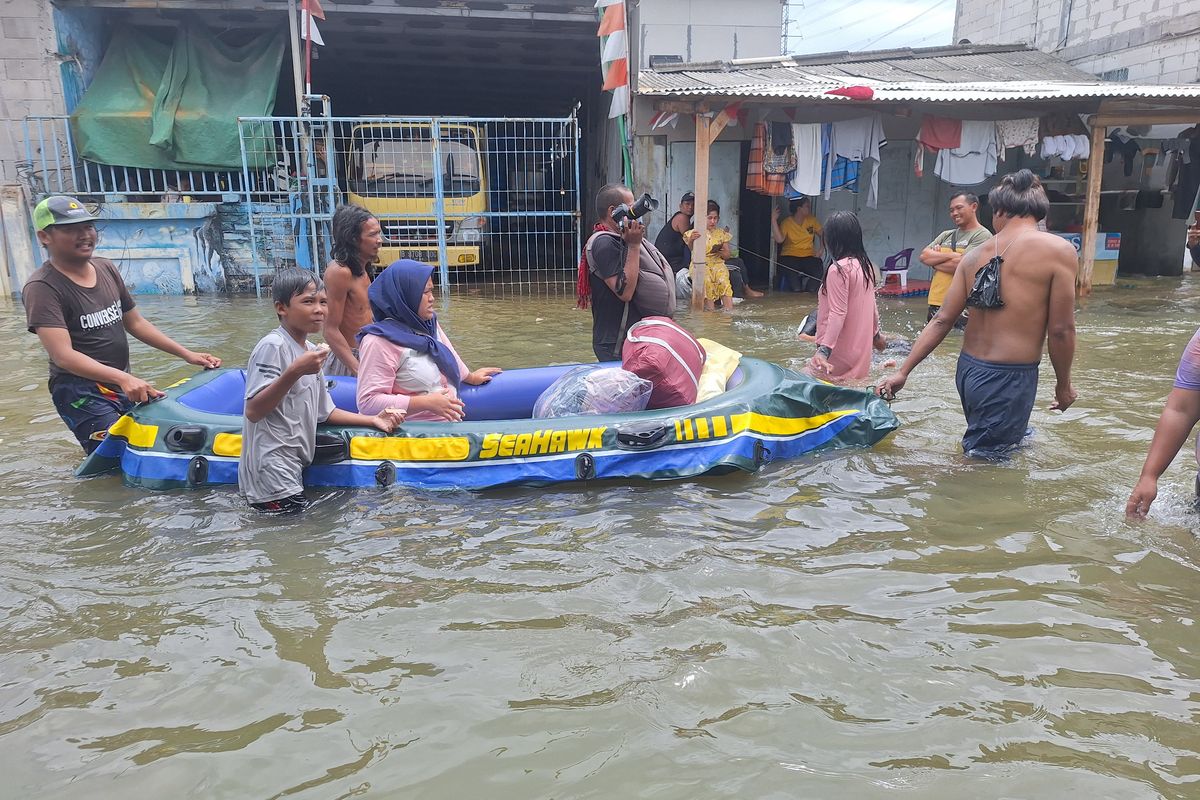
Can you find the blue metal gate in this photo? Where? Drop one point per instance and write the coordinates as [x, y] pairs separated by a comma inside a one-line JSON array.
[[493, 203]]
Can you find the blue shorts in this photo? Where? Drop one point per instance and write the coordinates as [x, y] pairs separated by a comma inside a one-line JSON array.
[[997, 400], [88, 408]]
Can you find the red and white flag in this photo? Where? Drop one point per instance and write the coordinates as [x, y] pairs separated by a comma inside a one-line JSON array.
[[614, 54], [310, 11]]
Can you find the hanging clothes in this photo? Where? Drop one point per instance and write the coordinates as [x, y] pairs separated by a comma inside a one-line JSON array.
[[1021, 133], [974, 160], [1189, 178], [755, 180], [857, 140], [843, 176], [1083, 146], [937, 133], [1124, 145], [779, 157], [1066, 147], [806, 179]]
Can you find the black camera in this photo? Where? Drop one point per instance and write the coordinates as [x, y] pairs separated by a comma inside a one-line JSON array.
[[644, 205]]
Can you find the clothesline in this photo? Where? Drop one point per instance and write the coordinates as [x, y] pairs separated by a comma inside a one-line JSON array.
[[811, 159]]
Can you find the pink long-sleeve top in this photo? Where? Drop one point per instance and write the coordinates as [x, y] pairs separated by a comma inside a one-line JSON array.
[[389, 375], [847, 320]]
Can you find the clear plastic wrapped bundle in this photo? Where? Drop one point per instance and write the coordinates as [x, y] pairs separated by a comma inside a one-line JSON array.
[[592, 389]]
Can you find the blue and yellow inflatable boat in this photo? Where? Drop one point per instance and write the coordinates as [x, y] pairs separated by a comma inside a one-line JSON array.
[[192, 437]]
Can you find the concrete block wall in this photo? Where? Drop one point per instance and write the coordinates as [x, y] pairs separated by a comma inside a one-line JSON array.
[[705, 30], [30, 76], [1158, 41]]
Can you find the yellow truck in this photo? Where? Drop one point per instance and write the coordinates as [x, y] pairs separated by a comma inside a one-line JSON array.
[[391, 173]]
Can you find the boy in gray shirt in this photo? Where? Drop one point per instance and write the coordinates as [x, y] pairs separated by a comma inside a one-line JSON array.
[[286, 398]]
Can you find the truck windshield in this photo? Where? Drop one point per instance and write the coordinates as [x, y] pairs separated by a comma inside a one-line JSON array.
[[399, 162]]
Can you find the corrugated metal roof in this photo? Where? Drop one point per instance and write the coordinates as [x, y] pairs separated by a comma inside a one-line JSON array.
[[951, 74]]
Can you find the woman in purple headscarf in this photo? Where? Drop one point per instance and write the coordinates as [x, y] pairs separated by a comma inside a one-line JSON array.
[[405, 360]]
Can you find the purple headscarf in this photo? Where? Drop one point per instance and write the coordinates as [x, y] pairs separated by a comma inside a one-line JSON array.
[[395, 296]]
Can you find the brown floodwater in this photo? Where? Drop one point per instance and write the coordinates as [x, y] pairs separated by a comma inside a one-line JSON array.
[[861, 623]]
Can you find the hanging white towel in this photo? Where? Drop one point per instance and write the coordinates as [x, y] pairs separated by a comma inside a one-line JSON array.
[[1066, 150], [807, 178], [1083, 147]]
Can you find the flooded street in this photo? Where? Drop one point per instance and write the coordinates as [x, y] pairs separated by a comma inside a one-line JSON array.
[[857, 624]]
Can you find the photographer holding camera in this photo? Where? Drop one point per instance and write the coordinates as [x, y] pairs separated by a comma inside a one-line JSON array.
[[625, 276]]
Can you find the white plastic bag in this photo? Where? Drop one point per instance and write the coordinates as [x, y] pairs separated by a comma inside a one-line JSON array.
[[592, 389]]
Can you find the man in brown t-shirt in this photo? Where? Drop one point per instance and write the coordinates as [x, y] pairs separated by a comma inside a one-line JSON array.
[[81, 311]]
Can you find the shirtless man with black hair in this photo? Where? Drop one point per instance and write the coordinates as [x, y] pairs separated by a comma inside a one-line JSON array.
[[1002, 347], [357, 237]]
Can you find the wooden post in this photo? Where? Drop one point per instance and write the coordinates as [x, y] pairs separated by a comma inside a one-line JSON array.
[[294, 41], [699, 254], [1091, 210], [707, 131], [771, 268]]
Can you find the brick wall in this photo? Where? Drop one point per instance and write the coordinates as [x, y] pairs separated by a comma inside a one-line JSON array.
[[30, 77], [1158, 41]]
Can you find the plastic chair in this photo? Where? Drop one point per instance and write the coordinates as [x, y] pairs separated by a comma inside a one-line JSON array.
[[898, 265]]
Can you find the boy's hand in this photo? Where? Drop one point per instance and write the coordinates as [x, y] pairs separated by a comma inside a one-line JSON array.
[[482, 375], [138, 390], [202, 359], [311, 362], [389, 419]]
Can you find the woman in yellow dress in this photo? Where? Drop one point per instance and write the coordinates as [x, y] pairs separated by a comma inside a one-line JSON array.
[[716, 274]]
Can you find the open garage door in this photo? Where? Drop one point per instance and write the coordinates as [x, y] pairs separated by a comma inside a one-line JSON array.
[[480, 58]]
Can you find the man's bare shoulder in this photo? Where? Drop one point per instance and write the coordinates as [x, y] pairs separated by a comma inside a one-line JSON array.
[[1053, 243], [976, 258], [336, 268], [1054, 251], [339, 275]]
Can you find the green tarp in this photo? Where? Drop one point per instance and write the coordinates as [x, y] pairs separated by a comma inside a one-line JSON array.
[[160, 106]]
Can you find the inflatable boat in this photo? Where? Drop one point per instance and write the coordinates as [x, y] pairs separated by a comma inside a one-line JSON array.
[[192, 437]]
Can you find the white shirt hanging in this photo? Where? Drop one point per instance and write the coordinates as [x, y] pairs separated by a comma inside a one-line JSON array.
[[974, 160], [858, 140], [807, 178]]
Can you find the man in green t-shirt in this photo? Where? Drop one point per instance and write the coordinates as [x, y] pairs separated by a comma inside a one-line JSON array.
[[944, 252]]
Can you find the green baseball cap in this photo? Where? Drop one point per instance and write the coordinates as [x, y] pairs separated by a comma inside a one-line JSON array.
[[60, 210]]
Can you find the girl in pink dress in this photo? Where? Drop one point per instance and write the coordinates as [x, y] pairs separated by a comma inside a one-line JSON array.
[[405, 359], [847, 317]]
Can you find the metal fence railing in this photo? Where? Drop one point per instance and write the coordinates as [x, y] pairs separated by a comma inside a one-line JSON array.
[[492, 203], [48, 163]]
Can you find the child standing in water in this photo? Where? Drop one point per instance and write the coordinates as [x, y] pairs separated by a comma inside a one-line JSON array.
[[286, 398], [716, 274]]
